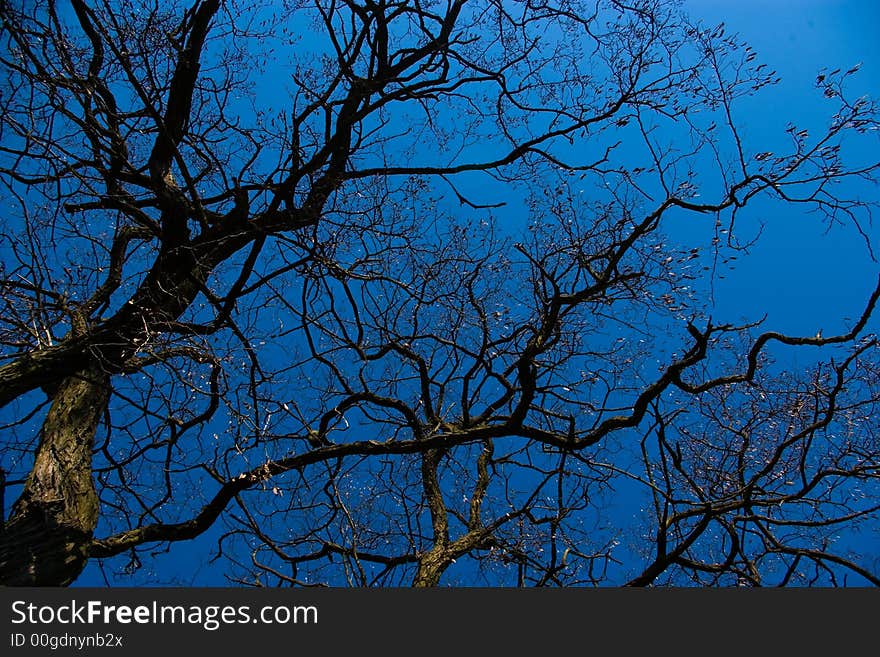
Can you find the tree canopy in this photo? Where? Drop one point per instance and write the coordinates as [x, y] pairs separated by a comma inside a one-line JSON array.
[[389, 292]]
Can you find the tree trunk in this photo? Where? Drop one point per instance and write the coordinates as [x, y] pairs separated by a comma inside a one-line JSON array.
[[431, 567], [46, 540]]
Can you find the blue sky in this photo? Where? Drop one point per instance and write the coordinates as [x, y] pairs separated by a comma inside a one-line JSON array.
[[803, 276], [799, 38]]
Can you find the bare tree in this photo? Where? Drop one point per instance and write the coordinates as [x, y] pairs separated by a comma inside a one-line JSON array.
[[382, 293]]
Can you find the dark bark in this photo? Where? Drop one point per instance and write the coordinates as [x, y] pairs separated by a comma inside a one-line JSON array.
[[431, 568], [46, 540]]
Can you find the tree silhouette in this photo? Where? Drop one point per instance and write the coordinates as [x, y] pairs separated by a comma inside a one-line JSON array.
[[382, 293]]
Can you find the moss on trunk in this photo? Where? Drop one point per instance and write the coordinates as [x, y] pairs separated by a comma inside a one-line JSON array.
[[46, 540]]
